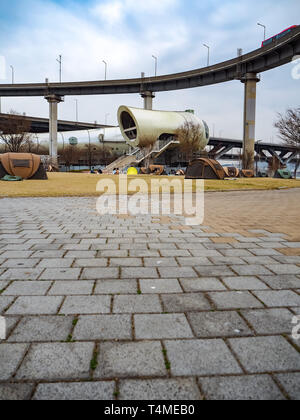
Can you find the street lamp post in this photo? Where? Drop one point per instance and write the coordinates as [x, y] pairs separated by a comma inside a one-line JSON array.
[[263, 26], [12, 74], [155, 58], [105, 63], [59, 60], [208, 52]]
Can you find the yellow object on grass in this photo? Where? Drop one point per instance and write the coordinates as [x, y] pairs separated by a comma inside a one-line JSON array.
[[132, 171]]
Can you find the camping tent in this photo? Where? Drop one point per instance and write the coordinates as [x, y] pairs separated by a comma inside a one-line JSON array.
[[247, 173], [24, 165], [204, 168], [283, 173], [231, 172]]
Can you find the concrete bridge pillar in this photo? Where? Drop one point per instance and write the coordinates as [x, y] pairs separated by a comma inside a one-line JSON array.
[[250, 80], [53, 100], [148, 99]]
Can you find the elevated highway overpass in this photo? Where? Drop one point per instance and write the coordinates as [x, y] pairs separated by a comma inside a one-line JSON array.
[[244, 68]]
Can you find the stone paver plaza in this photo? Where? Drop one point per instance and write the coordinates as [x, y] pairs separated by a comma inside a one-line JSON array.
[[146, 307]]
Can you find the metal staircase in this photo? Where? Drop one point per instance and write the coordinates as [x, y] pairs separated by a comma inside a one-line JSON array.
[[137, 155]]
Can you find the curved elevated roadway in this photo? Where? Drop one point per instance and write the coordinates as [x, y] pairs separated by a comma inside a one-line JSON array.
[[258, 61]]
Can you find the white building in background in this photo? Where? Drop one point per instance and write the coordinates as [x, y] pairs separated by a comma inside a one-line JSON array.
[[110, 137]]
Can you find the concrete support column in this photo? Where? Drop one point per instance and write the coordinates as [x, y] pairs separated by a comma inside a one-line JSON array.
[[148, 99], [250, 80], [53, 101]]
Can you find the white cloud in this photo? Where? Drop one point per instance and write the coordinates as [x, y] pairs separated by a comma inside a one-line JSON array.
[[111, 13], [126, 33]]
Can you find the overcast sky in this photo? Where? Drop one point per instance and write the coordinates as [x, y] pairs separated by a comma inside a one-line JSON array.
[[126, 33]]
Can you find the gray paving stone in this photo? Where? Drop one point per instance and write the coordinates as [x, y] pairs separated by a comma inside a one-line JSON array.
[[81, 254], [263, 260], [244, 283], [56, 263], [60, 274], [27, 288], [269, 321], [160, 262], [48, 254], [218, 324], [273, 245], [227, 260], [82, 391], [213, 270], [200, 357], [103, 327], [245, 245], [291, 384], [61, 288], [5, 301], [42, 328], [10, 357], [160, 286], [46, 247], [91, 262], [284, 259], [185, 302], [234, 300], [222, 246], [16, 254], [20, 263], [265, 354], [55, 361], [86, 305], [100, 273], [192, 261], [175, 272], [266, 252], [126, 262], [15, 392], [205, 253], [284, 268], [105, 247], [283, 281], [202, 284], [21, 274], [236, 253], [260, 387], [35, 305], [151, 327], [280, 298], [115, 254], [160, 246], [125, 360], [137, 304], [109, 287], [175, 253], [159, 390], [249, 240], [251, 270], [3, 285], [76, 247], [293, 244], [139, 272]]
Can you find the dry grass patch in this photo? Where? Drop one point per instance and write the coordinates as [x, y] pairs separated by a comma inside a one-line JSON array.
[[84, 185]]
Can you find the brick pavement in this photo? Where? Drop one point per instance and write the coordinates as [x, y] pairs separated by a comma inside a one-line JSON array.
[[146, 307]]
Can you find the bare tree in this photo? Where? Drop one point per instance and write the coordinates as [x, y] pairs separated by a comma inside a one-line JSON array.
[[288, 126], [189, 136], [146, 145], [14, 132], [70, 155]]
